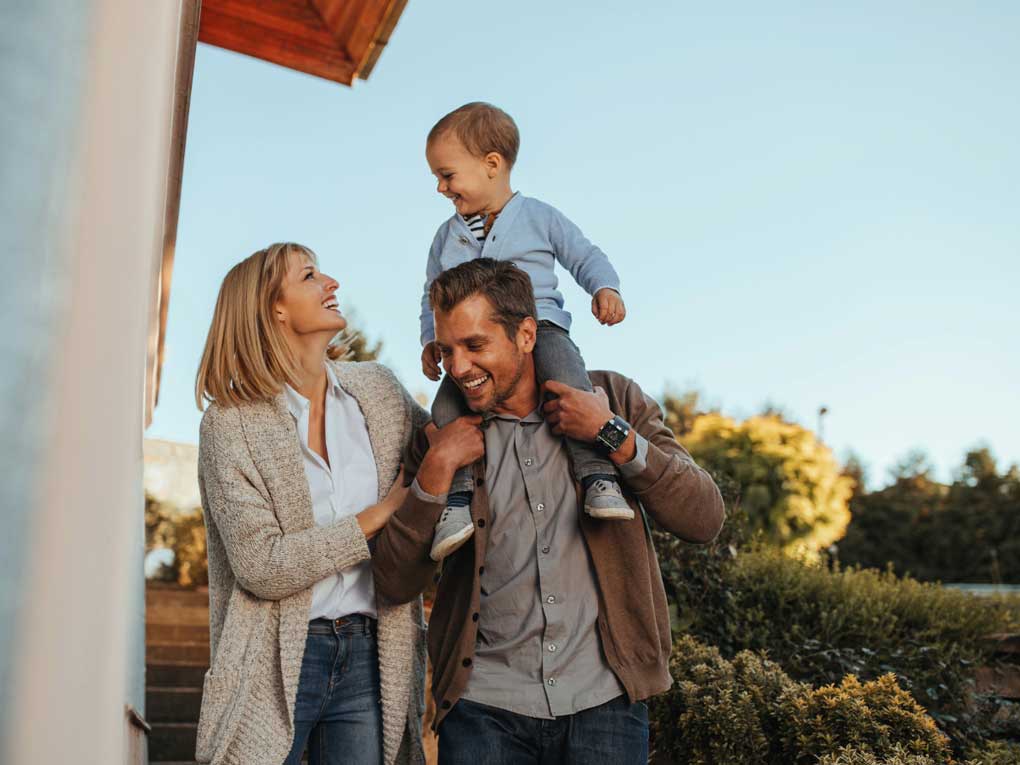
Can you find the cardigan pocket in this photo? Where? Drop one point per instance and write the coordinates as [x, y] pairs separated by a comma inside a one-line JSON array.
[[221, 704]]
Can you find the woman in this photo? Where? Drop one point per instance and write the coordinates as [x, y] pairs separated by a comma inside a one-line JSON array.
[[299, 456]]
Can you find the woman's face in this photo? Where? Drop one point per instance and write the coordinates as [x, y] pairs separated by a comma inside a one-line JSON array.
[[308, 304]]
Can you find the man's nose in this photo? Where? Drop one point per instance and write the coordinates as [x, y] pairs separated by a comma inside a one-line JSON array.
[[457, 364]]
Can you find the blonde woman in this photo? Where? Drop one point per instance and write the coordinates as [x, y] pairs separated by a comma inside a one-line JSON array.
[[299, 457]]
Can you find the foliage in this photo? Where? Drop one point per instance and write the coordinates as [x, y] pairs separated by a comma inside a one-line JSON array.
[[748, 710], [184, 534], [995, 753], [821, 624], [791, 486], [898, 755], [968, 531]]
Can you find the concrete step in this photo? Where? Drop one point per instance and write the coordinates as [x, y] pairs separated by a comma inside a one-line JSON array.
[[179, 675], [177, 633], [160, 613], [172, 704], [185, 653], [172, 742], [164, 593]]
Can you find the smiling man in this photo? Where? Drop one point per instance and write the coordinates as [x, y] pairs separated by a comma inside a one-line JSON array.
[[550, 627]]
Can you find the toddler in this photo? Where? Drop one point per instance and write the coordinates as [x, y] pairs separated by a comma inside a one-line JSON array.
[[471, 151]]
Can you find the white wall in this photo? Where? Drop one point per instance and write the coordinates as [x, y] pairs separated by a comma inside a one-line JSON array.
[[94, 82]]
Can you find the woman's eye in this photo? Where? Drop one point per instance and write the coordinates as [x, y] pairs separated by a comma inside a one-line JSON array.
[[309, 275]]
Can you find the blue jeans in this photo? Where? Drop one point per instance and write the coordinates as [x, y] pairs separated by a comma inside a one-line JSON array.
[[337, 712], [614, 733], [556, 358]]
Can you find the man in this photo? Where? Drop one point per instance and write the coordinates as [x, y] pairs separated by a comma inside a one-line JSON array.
[[549, 627]]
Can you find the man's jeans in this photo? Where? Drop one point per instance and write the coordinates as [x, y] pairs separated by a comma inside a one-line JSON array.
[[614, 733], [337, 712], [556, 358]]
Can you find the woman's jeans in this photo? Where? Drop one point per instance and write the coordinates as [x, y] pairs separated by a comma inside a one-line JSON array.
[[337, 712], [556, 358]]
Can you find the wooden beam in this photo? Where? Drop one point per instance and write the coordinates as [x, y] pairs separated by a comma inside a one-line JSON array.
[[362, 28], [290, 33]]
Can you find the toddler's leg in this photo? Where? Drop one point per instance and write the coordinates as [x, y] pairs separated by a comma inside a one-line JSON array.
[[455, 526], [557, 358]]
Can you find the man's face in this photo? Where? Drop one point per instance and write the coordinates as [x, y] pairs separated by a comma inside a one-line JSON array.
[[486, 365]]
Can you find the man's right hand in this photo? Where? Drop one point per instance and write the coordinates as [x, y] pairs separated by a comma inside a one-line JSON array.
[[430, 358], [458, 444]]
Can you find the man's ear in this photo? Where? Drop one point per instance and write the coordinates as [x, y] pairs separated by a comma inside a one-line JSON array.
[[527, 332]]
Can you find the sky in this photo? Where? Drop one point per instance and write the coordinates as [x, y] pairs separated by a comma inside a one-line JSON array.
[[808, 204]]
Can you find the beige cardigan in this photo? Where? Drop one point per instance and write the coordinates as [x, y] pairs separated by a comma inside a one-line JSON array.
[[265, 553]]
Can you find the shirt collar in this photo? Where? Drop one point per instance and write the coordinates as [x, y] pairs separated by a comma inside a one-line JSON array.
[[297, 404], [532, 417]]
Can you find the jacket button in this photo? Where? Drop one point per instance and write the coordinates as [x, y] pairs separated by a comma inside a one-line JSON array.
[[481, 523], [466, 662], [481, 570], [446, 705], [474, 616], [463, 240]]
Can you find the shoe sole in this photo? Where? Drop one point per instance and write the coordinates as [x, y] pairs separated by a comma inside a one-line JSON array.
[[451, 543], [610, 513]]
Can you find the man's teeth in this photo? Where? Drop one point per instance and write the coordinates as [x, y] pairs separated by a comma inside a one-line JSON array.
[[476, 383]]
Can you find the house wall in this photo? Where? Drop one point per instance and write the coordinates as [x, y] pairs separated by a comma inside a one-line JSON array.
[[88, 88]]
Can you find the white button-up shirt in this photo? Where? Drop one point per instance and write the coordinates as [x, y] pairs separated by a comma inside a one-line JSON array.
[[345, 486]]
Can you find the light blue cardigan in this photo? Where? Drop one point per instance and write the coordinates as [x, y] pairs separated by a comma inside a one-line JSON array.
[[533, 235]]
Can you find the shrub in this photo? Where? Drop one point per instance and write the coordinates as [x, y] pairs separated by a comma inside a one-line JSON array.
[[791, 487], [750, 711], [877, 717], [995, 753], [820, 625], [848, 755], [184, 534]]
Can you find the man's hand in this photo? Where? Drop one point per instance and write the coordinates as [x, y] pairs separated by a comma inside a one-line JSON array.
[[607, 306], [576, 413], [458, 444], [430, 358]]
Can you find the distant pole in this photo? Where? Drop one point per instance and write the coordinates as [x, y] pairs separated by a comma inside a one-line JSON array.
[[822, 411]]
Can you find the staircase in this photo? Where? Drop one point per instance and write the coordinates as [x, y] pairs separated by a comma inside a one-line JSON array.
[[176, 658]]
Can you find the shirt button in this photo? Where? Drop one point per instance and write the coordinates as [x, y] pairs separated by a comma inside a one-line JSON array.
[[540, 507], [551, 681], [463, 240], [551, 599], [527, 462], [545, 550], [552, 648]]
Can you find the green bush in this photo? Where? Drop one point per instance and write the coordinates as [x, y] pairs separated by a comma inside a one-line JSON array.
[[749, 711], [184, 534], [848, 755], [820, 624], [873, 717], [995, 753]]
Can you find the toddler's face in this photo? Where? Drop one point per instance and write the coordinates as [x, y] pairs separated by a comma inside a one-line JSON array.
[[463, 178]]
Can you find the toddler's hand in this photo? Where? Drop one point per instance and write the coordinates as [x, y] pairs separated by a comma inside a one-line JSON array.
[[607, 306], [430, 358]]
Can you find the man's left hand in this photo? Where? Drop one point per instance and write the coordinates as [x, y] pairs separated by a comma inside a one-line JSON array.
[[576, 413]]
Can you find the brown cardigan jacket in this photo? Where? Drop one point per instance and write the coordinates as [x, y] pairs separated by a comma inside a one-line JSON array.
[[633, 620]]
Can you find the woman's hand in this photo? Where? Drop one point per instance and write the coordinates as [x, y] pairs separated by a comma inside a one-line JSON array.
[[374, 517]]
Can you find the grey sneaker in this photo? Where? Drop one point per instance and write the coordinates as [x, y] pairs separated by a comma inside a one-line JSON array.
[[454, 529], [604, 500]]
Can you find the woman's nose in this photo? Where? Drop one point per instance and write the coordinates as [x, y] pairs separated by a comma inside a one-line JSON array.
[[331, 285]]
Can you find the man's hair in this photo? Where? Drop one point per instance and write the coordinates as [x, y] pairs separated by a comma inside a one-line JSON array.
[[504, 285], [482, 128]]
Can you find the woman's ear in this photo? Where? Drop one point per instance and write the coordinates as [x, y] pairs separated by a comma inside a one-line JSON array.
[[279, 313]]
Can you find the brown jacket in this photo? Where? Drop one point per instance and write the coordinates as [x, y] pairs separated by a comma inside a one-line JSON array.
[[633, 619]]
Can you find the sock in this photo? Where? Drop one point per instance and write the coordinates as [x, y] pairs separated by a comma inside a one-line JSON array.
[[459, 498], [588, 480]]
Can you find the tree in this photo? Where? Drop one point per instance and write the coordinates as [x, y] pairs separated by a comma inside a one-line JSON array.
[[791, 487]]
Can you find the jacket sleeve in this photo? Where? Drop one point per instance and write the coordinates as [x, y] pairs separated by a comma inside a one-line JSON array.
[[401, 566], [432, 269], [265, 561], [588, 265], [679, 495]]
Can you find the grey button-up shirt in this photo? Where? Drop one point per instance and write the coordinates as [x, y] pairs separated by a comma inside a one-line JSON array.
[[538, 651]]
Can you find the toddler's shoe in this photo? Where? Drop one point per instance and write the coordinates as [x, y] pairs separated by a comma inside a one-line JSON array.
[[453, 530], [604, 500]]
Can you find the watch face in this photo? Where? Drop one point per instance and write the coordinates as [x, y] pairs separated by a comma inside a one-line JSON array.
[[614, 433]]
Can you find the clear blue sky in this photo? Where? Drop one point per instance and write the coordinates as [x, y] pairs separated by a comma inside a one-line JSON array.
[[806, 205]]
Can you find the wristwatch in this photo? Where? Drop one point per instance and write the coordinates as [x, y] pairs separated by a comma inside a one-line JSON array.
[[613, 434]]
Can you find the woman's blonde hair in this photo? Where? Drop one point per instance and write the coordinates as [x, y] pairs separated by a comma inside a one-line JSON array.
[[246, 356]]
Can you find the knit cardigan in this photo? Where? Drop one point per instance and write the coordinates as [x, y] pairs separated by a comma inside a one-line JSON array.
[[265, 554]]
